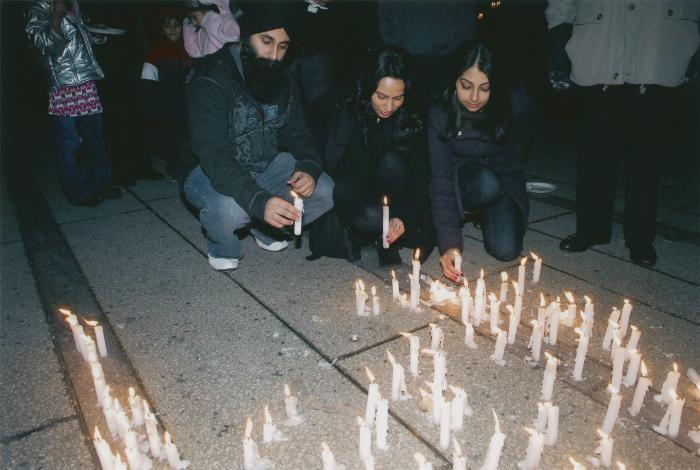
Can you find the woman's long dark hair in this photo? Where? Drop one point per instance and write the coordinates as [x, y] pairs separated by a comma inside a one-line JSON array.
[[498, 109], [391, 62]]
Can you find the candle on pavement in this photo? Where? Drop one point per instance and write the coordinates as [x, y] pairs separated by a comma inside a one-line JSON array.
[[394, 286], [552, 424], [250, 449], [671, 383], [538, 268], [494, 314], [671, 421], [469, 336], [100, 337], [290, 407], [381, 423], [533, 455], [625, 318], [375, 301], [104, 453], [493, 455], [459, 462], [414, 351], [512, 325], [581, 351], [385, 223], [521, 274], [373, 397], [632, 368], [550, 375], [399, 391], [501, 341], [504, 287], [365, 440], [613, 410], [640, 392], [299, 206], [173, 455], [605, 448]]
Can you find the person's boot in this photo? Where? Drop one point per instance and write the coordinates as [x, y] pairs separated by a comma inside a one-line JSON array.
[[642, 253], [577, 243], [388, 257]]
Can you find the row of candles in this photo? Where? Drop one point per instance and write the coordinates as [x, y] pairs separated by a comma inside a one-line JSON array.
[[118, 423]]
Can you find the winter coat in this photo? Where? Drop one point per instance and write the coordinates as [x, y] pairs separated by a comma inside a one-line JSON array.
[[217, 29], [234, 137], [647, 42], [477, 147], [67, 56]]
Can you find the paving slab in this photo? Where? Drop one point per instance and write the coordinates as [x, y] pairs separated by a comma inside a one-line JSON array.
[[209, 354], [61, 446], [9, 230], [151, 190], [32, 386], [513, 391], [675, 257]]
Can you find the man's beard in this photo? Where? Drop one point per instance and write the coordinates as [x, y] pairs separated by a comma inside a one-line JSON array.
[[263, 77]]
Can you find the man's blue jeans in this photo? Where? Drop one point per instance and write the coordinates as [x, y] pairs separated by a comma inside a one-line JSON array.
[[221, 215], [92, 174]]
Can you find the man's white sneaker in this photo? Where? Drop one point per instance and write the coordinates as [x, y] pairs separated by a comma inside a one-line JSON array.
[[223, 264], [274, 246]]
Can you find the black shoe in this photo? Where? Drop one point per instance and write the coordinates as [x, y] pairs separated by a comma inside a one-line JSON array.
[[576, 244], [111, 193], [389, 257], [92, 200], [642, 253]]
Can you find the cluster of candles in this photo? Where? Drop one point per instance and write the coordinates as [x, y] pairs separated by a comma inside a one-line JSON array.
[[483, 307], [120, 426]]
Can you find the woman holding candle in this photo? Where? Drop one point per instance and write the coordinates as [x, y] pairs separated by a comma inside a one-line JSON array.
[[376, 149], [477, 135]]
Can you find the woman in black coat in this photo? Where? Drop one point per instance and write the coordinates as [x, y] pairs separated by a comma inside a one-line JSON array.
[[377, 148], [477, 135]]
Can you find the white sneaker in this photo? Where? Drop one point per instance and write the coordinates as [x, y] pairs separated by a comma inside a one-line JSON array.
[[274, 246], [223, 264]]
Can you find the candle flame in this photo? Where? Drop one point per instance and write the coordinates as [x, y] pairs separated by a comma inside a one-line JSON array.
[[370, 376], [534, 256], [504, 276], [132, 392], [360, 285], [603, 435], [534, 323], [420, 458], [530, 431], [287, 393], [492, 297], [393, 274], [65, 311], [516, 288], [644, 369], [588, 299], [374, 291], [549, 356], [626, 301], [248, 428], [574, 462], [386, 201], [416, 254], [391, 357], [97, 436], [675, 367], [523, 261], [456, 390], [613, 390], [360, 421], [406, 335], [324, 447], [542, 301], [91, 322], [558, 300], [510, 309], [482, 274], [458, 449], [268, 417], [569, 296], [168, 440], [621, 466], [497, 428]]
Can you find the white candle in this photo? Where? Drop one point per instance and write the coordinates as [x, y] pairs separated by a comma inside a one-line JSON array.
[[640, 392], [98, 380], [270, 432], [152, 431], [415, 263], [550, 375], [605, 448], [299, 206], [445, 424], [633, 341], [110, 417], [415, 292], [494, 314], [104, 453], [497, 356], [538, 268], [80, 333], [625, 318], [328, 458], [381, 423], [469, 336], [436, 337], [553, 325], [385, 223], [360, 298], [173, 455], [458, 263], [414, 350], [477, 318], [541, 422], [375, 301], [552, 424], [493, 455], [135, 406], [512, 325], [466, 303], [459, 408], [671, 383], [518, 302], [480, 285], [399, 391], [581, 351], [250, 449], [588, 315], [118, 464], [72, 321], [437, 399], [576, 465], [423, 464], [521, 275], [618, 364], [100, 337], [671, 421], [613, 410], [121, 420], [373, 397], [459, 462], [440, 369], [365, 440], [290, 407], [535, 446], [504, 287], [394, 286], [571, 309], [632, 368], [536, 340]]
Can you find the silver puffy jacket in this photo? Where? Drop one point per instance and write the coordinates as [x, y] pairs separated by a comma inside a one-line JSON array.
[[68, 55]]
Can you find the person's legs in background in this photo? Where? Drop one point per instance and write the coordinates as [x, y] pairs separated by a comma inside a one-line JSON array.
[[97, 168], [67, 143]]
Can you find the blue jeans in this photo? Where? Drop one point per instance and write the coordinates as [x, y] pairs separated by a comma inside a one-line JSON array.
[[93, 174], [221, 215], [502, 221]]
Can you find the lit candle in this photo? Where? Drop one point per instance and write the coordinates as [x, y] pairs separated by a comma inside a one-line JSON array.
[[328, 458], [436, 337], [426, 402], [360, 298], [493, 455], [290, 407], [375, 301], [553, 325], [541, 422], [610, 331], [458, 263], [478, 316], [518, 302], [108, 411], [437, 400], [373, 397], [423, 464], [494, 314], [538, 268], [576, 465], [480, 285], [632, 368], [365, 440], [152, 431], [618, 364], [542, 311], [640, 392], [134, 457], [80, 333], [385, 223], [121, 420], [173, 455], [535, 446], [298, 205], [466, 302], [135, 406], [414, 351], [415, 292], [550, 375], [613, 410], [100, 337], [459, 408], [399, 391], [98, 380], [605, 448], [250, 449], [581, 351], [571, 309], [625, 318], [671, 421], [670, 384], [512, 325], [504, 287], [72, 321], [552, 424], [381, 424], [588, 315], [270, 431], [497, 356], [445, 424], [104, 453], [394, 285], [469, 336], [415, 263], [536, 340], [521, 275], [439, 367], [459, 462], [633, 341]]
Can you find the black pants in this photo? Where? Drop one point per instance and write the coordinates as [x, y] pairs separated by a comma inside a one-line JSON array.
[[502, 221], [621, 125], [365, 213]]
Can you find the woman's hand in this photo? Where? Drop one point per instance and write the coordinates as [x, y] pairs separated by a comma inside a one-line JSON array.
[[447, 261], [396, 230]]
